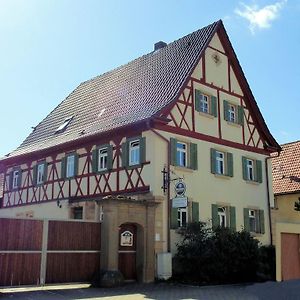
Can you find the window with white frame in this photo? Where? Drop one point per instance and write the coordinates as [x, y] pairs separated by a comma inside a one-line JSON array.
[[222, 216], [182, 217], [250, 169], [232, 113], [181, 154], [134, 152], [15, 179], [204, 103], [252, 220], [220, 162], [40, 173], [102, 159], [70, 166]]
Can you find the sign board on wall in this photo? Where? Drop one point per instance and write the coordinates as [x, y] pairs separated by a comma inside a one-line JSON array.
[[179, 202], [126, 239]]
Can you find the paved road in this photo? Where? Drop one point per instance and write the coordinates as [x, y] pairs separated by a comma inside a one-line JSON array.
[[161, 291]]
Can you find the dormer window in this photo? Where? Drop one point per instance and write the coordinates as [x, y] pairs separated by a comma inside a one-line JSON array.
[[64, 125]]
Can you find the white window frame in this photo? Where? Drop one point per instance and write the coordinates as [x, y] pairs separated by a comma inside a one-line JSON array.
[[182, 217], [15, 179], [102, 159], [222, 215], [204, 103], [220, 162], [134, 152], [40, 173], [70, 166], [232, 113], [253, 217], [182, 154], [250, 167]]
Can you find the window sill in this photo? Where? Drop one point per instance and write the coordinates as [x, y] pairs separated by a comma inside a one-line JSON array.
[[207, 115], [252, 182], [183, 169], [234, 124], [222, 176], [256, 234]]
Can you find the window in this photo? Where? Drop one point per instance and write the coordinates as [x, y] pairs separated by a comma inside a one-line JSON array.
[[182, 217], [205, 103], [233, 113], [102, 159], [181, 154], [40, 173], [134, 153], [15, 179], [70, 170], [64, 125], [252, 220], [220, 162], [252, 170], [78, 212], [222, 216]]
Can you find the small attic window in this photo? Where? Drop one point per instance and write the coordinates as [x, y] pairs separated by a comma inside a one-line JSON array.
[[64, 125], [101, 112]]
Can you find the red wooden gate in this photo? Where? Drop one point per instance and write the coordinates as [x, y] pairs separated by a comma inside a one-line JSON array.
[[127, 251], [290, 256], [42, 251]]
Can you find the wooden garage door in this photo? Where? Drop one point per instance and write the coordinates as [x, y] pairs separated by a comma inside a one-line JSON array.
[[290, 256]]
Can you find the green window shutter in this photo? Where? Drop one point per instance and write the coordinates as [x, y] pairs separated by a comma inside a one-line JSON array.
[[195, 211], [258, 164], [125, 154], [10, 180], [213, 160], [193, 156], [95, 160], [232, 218], [63, 167], [34, 175], [142, 149], [241, 115], [45, 172], [226, 111], [229, 164], [214, 215], [173, 151], [197, 100], [261, 221], [76, 161], [19, 177], [246, 219], [244, 165], [174, 218], [109, 157], [213, 106]]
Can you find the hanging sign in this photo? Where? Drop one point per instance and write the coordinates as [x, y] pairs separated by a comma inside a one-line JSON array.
[[180, 188], [179, 202], [126, 239]]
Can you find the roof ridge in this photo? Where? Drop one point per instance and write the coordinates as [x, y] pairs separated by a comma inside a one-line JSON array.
[[289, 143]]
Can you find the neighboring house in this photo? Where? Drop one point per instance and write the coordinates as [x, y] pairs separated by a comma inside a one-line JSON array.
[[115, 148], [285, 213]]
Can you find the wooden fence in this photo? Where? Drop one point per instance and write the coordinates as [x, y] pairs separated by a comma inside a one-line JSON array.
[[48, 251]]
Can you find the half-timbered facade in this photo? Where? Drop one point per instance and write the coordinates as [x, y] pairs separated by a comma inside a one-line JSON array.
[[114, 149]]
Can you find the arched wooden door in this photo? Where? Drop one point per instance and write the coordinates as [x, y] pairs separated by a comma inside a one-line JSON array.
[[127, 251]]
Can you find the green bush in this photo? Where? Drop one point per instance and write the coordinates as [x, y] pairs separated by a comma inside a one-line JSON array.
[[221, 255]]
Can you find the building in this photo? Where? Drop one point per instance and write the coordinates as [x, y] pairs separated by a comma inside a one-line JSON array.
[[286, 213], [114, 150]]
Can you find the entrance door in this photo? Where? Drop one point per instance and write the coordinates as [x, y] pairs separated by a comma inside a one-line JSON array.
[[127, 251]]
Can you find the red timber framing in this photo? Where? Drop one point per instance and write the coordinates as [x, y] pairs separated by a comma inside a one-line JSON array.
[[86, 185], [182, 111]]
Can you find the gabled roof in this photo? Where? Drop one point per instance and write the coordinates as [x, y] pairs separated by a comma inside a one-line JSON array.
[[129, 94], [286, 169]]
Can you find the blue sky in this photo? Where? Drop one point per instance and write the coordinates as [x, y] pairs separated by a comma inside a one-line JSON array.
[[48, 47]]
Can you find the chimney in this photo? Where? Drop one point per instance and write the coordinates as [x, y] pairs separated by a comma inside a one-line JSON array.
[[159, 45]]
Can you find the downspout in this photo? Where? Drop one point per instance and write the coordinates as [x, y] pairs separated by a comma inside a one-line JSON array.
[[168, 186], [268, 194]]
